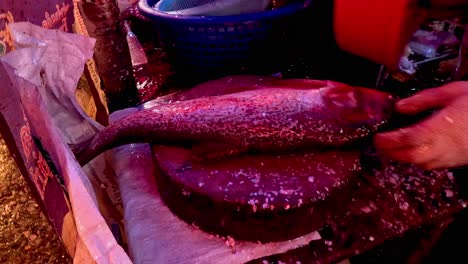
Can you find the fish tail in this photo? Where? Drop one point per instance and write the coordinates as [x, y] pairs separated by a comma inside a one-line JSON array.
[[81, 150], [131, 129], [105, 140], [92, 147]]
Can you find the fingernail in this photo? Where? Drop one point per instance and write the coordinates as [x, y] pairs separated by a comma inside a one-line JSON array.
[[401, 103], [405, 107]]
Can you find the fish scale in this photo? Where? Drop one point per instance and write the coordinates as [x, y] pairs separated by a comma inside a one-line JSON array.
[[254, 120]]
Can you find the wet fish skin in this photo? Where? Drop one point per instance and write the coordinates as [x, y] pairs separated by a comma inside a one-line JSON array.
[[270, 119], [235, 84]]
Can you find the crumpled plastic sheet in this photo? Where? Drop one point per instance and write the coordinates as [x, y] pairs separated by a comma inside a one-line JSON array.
[[156, 235], [45, 68]]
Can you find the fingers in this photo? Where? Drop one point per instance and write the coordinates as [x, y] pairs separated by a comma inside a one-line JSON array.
[[413, 144], [435, 164], [428, 157], [438, 142], [431, 98], [413, 136], [417, 155]]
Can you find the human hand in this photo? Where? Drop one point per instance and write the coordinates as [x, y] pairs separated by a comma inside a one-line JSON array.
[[440, 141]]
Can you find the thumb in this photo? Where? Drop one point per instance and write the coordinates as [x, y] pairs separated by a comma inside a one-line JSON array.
[[432, 98]]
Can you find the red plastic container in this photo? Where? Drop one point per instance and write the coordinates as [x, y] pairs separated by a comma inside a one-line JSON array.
[[377, 30]]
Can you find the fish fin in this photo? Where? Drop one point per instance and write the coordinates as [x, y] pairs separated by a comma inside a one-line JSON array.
[[203, 152]]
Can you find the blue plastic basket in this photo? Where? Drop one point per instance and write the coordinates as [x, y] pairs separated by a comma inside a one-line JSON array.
[[217, 43]]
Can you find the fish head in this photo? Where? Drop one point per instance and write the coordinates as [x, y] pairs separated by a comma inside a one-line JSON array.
[[357, 106]]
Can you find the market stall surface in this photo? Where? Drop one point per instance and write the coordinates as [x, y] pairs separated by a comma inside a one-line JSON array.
[[26, 236]]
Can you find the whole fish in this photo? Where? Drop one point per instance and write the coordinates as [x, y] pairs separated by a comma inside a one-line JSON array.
[[265, 120]]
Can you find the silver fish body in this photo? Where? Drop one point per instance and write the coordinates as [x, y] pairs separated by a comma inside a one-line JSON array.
[[267, 119]]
